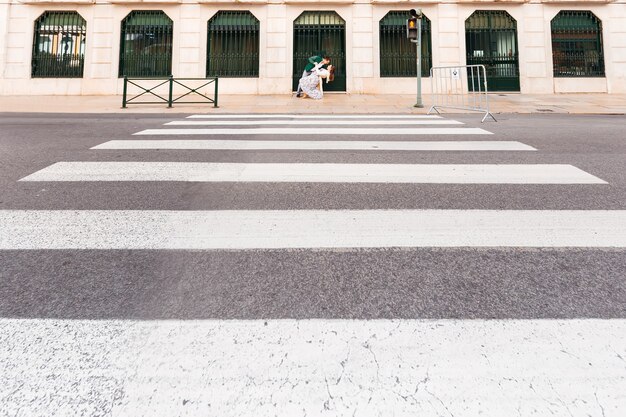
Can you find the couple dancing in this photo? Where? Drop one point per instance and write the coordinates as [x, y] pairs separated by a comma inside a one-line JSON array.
[[317, 68]]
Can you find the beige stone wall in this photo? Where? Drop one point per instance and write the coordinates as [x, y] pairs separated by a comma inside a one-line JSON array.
[[276, 20], [615, 46], [4, 31]]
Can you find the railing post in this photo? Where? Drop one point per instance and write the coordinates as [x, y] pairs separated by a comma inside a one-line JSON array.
[[215, 100], [125, 90], [170, 98]]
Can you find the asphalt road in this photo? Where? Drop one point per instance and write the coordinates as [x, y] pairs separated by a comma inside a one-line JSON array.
[[105, 316], [331, 283]]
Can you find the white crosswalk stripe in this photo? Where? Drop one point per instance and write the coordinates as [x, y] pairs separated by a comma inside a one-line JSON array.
[[284, 368], [200, 144], [336, 122], [327, 131], [321, 117], [279, 229], [318, 172]]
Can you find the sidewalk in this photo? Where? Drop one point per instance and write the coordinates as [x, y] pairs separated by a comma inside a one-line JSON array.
[[332, 103]]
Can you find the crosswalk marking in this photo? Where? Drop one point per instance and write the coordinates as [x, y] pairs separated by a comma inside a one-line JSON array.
[[326, 131], [293, 229], [284, 368], [315, 172], [317, 145], [313, 116], [377, 122]]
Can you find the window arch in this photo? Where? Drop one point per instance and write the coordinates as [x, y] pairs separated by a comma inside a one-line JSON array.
[[59, 45], [398, 55], [233, 45], [577, 44], [146, 44]]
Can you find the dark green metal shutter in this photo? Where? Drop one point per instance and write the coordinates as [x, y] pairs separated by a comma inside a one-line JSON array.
[[398, 55], [146, 44], [59, 45], [577, 44], [320, 33], [233, 45], [491, 40]]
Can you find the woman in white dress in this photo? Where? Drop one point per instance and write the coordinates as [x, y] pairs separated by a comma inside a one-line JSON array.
[[309, 83]]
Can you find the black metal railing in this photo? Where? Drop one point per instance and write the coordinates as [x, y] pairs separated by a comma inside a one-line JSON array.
[[47, 65], [59, 45], [233, 45], [151, 88], [146, 44], [398, 55], [577, 44], [572, 63]]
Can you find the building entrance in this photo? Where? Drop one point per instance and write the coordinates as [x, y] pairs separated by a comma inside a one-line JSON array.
[[320, 33], [491, 40]]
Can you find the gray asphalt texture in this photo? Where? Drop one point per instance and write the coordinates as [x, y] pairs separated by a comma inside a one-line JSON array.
[[390, 283]]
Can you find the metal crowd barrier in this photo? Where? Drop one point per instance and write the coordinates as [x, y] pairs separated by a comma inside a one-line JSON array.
[[461, 87], [163, 90]]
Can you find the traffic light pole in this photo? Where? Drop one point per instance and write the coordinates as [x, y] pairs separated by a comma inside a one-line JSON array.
[[418, 44]]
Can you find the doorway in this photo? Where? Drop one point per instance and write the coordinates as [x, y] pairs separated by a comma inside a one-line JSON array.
[[320, 33], [491, 40]]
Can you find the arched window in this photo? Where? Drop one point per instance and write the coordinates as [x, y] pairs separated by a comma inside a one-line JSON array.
[[233, 45], [59, 45], [398, 55], [146, 44], [577, 44]]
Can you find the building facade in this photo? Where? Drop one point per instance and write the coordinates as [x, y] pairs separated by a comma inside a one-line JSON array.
[[85, 47]]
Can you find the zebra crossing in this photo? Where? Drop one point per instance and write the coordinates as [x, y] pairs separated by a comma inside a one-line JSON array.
[[347, 228], [315, 366]]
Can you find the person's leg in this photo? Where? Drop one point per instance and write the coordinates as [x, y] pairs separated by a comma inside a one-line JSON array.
[[299, 90]]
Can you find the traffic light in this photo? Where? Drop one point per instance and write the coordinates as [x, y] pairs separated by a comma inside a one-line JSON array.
[[411, 28], [413, 25]]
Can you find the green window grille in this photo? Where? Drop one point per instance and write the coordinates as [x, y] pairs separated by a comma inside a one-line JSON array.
[[577, 44], [398, 55], [491, 40], [146, 44], [233, 45], [59, 45]]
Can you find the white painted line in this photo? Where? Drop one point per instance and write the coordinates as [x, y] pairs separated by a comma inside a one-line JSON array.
[[327, 131], [327, 124], [316, 173], [313, 116], [287, 368], [276, 229], [199, 144]]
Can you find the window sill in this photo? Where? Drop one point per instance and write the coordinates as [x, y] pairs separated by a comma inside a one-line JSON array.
[[57, 1]]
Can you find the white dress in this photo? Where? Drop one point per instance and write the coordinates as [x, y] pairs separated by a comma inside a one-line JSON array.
[[309, 84]]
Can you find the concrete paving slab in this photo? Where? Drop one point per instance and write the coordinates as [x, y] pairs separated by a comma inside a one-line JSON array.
[[331, 103]]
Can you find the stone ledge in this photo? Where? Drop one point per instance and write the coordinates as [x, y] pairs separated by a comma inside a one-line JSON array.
[[56, 1], [407, 3], [144, 1], [312, 2], [235, 2], [574, 1]]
